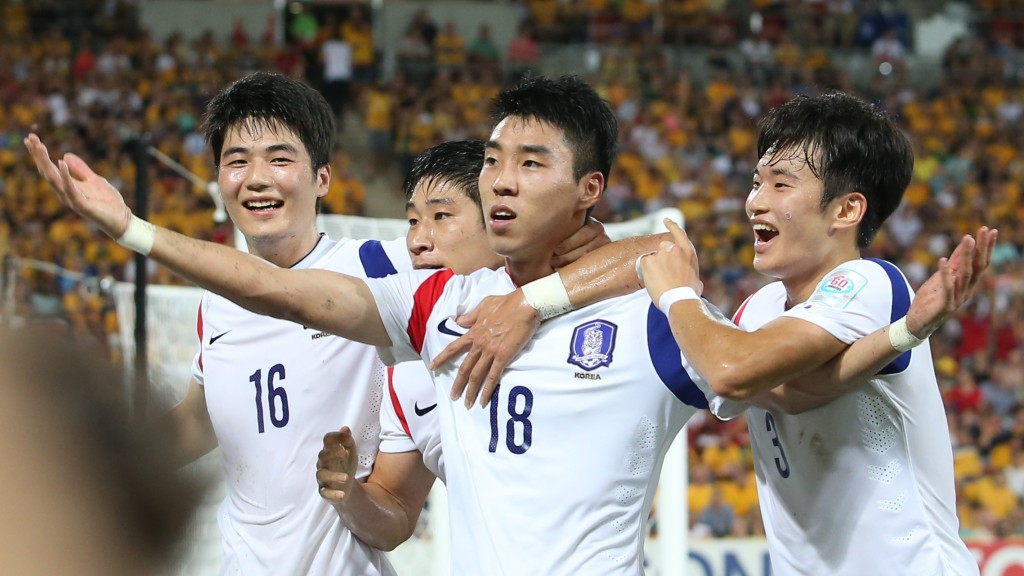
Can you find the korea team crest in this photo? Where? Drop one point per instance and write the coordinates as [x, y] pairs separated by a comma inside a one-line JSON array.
[[592, 344]]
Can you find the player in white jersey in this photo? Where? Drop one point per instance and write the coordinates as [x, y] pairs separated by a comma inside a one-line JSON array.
[[863, 484], [264, 390], [446, 230], [304, 382], [546, 165]]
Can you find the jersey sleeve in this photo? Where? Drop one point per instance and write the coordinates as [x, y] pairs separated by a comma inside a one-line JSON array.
[[398, 253], [404, 302], [856, 299], [395, 436], [197, 360]]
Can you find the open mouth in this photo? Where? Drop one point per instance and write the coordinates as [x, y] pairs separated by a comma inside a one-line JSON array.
[[258, 205], [502, 215], [764, 233]]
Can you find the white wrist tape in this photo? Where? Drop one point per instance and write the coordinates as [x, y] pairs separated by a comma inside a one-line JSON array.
[[548, 296], [900, 336], [139, 236], [674, 295], [639, 267]]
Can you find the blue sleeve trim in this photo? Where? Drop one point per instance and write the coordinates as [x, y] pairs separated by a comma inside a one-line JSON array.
[[668, 362], [900, 305], [375, 260]]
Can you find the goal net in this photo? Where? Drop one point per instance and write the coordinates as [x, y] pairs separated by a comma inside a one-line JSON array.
[[171, 344]]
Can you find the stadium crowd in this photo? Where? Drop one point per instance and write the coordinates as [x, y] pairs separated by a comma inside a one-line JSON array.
[[686, 141]]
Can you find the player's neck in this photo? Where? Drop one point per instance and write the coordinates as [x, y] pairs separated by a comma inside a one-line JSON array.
[[283, 252], [800, 285], [526, 270]]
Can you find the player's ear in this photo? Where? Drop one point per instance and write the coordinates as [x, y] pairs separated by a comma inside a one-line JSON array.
[[850, 209], [591, 188], [323, 180]]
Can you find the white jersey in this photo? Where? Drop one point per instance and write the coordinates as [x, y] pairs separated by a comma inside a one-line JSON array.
[[408, 415], [864, 484], [556, 476], [273, 389]]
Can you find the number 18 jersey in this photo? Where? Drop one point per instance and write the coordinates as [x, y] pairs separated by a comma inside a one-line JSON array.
[[557, 474]]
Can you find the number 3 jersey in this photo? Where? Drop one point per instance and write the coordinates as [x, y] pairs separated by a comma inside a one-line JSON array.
[[273, 389], [864, 484], [557, 474]]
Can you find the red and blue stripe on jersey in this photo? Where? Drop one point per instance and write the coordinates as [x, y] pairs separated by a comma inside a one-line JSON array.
[[424, 300]]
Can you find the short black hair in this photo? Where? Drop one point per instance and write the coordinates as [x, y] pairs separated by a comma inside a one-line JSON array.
[[849, 145], [267, 99], [571, 105], [457, 162]]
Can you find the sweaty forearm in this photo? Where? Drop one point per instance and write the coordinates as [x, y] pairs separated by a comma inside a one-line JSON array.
[[376, 517], [328, 301], [607, 272], [863, 359]]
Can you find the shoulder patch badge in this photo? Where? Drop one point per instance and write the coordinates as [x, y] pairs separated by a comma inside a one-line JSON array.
[[592, 344], [839, 288]]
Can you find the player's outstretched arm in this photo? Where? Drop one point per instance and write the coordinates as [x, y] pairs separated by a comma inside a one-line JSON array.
[[738, 365], [501, 326], [319, 299], [191, 431], [936, 300], [382, 511]]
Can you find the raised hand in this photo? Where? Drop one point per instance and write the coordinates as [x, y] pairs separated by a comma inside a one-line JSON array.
[[81, 189], [952, 284], [673, 265], [336, 465]]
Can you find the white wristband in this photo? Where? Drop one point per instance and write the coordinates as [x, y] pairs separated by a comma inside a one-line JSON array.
[[639, 268], [900, 336], [548, 296], [674, 295], [139, 236]]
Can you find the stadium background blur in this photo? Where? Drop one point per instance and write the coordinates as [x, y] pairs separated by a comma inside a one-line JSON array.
[[688, 80]]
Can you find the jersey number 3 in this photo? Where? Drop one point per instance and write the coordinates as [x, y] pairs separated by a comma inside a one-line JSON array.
[[276, 396], [520, 404], [781, 463]]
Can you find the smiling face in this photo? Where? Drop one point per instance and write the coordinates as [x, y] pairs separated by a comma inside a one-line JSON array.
[[531, 201], [446, 229], [270, 191], [794, 239]]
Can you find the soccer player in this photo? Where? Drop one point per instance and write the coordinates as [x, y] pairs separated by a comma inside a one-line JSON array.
[[584, 414], [446, 230], [863, 484], [265, 390], [576, 434]]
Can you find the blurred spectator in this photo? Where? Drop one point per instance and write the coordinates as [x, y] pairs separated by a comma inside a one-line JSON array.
[[522, 54], [718, 517], [483, 52]]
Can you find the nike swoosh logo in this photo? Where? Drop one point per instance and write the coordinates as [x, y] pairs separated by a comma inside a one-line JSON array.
[[423, 411], [444, 329], [218, 337]]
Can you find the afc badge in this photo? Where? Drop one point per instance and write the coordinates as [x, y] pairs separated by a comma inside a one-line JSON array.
[[592, 344]]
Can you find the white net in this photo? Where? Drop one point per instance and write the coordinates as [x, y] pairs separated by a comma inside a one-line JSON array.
[[171, 344], [344, 226]]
